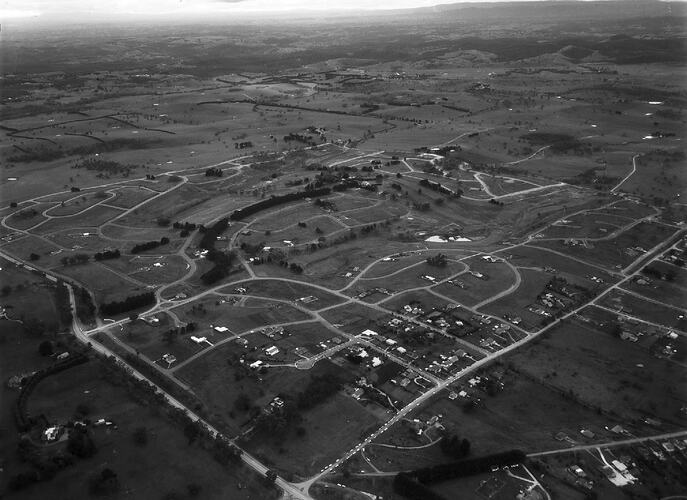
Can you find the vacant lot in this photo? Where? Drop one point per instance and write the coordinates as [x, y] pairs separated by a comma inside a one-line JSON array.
[[253, 313], [662, 291], [417, 275], [287, 290], [572, 270], [652, 312], [93, 217], [515, 304], [469, 289], [618, 252], [106, 284]]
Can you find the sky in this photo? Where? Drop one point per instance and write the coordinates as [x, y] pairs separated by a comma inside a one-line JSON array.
[[14, 9]]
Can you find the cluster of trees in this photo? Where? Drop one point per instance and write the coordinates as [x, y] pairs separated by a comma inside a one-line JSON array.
[[104, 483], [107, 254], [276, 422], [222, 266], [652, 272], [210, 234], [149, 245], [130, 303], [277, 200], [42, 468], [222, 261], [79, 443], [455, 447], [243, 145], [186, 226], [170, 335], [214, 172], [318, 390], [496, 202], [325, 204], [305, 139], [438, 260], [435, 186], [63, 305], [85, 308], [77, 258], [413, 484]]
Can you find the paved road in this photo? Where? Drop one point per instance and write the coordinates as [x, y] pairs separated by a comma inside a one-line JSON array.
[[634, 169], [611, 444]]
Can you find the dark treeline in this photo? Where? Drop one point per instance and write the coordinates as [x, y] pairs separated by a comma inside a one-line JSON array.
[[222, 261], [213, 172], [435, 186], [23, 420], [107, 254], [73, 260], [210, 234], [149, 245], [128, 304], [242, 213], [413, 484]]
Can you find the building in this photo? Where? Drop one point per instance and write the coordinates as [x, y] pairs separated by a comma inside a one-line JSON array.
[[271, 351]]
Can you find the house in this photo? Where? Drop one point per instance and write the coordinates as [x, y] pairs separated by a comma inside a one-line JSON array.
[[587, 433], [198, 340], [256, 364], [272, 351], [577, 471], [625, 335], [357, 393], [369, 333], [52, 433], [402, 350], [376, 362], [221, 329]]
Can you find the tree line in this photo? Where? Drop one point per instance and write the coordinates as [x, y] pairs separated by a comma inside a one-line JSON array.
[[242, 213], [415, 484], [149, 245], [130, 303]]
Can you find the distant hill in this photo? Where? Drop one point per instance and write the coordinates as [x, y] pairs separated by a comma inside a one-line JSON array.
[[559, 10]]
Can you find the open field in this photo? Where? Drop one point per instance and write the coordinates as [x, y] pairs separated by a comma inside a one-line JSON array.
[[654, 312], [516, 304], [572, 270], [419, 275], [618, 252], [107, 285], [469, 289], [93, 217], [253, 313], [284, 290], [605, 372], [141, 468]]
